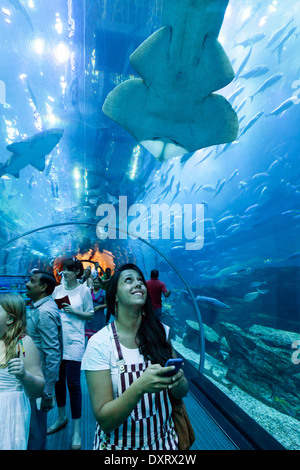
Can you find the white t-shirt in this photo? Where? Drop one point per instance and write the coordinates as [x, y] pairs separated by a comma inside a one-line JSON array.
[[101, 354], [72, 325]]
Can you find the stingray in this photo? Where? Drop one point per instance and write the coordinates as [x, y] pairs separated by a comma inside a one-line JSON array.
[[172, 109], [31, 151]]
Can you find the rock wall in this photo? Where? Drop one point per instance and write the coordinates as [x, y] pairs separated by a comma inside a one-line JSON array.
[[260, 362], [257, 359]]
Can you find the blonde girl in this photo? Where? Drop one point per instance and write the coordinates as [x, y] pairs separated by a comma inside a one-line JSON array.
[[21, 375]]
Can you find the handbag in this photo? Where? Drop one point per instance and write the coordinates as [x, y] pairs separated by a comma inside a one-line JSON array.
[[182, 424]]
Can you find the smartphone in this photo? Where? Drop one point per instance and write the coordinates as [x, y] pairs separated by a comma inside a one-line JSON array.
[[177, 362]]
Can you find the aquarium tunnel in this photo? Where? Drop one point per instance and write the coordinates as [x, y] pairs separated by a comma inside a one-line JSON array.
[[166, 134]]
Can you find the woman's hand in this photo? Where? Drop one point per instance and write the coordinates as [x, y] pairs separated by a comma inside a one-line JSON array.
[[179, 386], [88, 315], [69, 309], [154, 379], [16, 367], [177, 380], [99, 307]]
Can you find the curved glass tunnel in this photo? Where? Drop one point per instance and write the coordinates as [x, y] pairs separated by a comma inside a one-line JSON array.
[[221, 224], [115, 253]]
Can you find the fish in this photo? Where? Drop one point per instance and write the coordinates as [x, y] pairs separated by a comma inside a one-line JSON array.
[[243, 64], [251, 208], [181, 65], [48, 168], [264, 191], [219, 187], [251, 296], [208, 187], [294, 255], [185, 158], [233, 228], [257, 283], [31, 151], [279, 47], [235, 173], [168, 188], [250, 41], [283, 107], [276, 35], [251, 122], [260, 176], [238, 90], [273, 165], [211, 302], [204, 158], [243, 185], [285, 405], [256, 71], [291, 212], [241, 105], [177, 191], [267, 83], [254, 10], [227, 219]]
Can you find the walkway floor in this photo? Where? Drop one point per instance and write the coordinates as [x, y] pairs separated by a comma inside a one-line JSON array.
[[208, 434]]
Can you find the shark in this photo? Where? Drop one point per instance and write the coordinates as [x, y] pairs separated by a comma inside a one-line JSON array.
[[173, 108], [31, 151]]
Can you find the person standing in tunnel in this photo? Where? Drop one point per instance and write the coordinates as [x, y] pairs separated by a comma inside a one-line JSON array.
[[44, 327], [156, 288], [104, 283], [96, 270], [87, 278], [21, 376], [76, 306], [124, 365], [105, 278], [99, 302]]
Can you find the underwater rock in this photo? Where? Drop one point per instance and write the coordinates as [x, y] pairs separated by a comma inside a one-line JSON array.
[[260, 362], [273, 337], [191, 339]]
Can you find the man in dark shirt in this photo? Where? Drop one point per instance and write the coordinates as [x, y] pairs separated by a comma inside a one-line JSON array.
[[105, 278], [156, 288], [44, 327]]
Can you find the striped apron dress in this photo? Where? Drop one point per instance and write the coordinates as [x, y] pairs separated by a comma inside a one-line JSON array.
[[149, 426]]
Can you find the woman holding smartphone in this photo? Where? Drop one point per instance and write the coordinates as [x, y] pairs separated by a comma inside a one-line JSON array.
[[124, 364]]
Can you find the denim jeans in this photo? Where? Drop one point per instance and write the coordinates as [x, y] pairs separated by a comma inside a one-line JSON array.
[[38, 428], [69, 375]]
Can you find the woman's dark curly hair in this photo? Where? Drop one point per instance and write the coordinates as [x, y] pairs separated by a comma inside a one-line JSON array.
[[151, 336]]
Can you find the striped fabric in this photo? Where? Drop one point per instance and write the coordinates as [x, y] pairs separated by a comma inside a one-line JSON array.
[[149, 426]]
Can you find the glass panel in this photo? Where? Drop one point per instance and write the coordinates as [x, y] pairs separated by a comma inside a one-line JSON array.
[[82, 239], [58, 62]]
